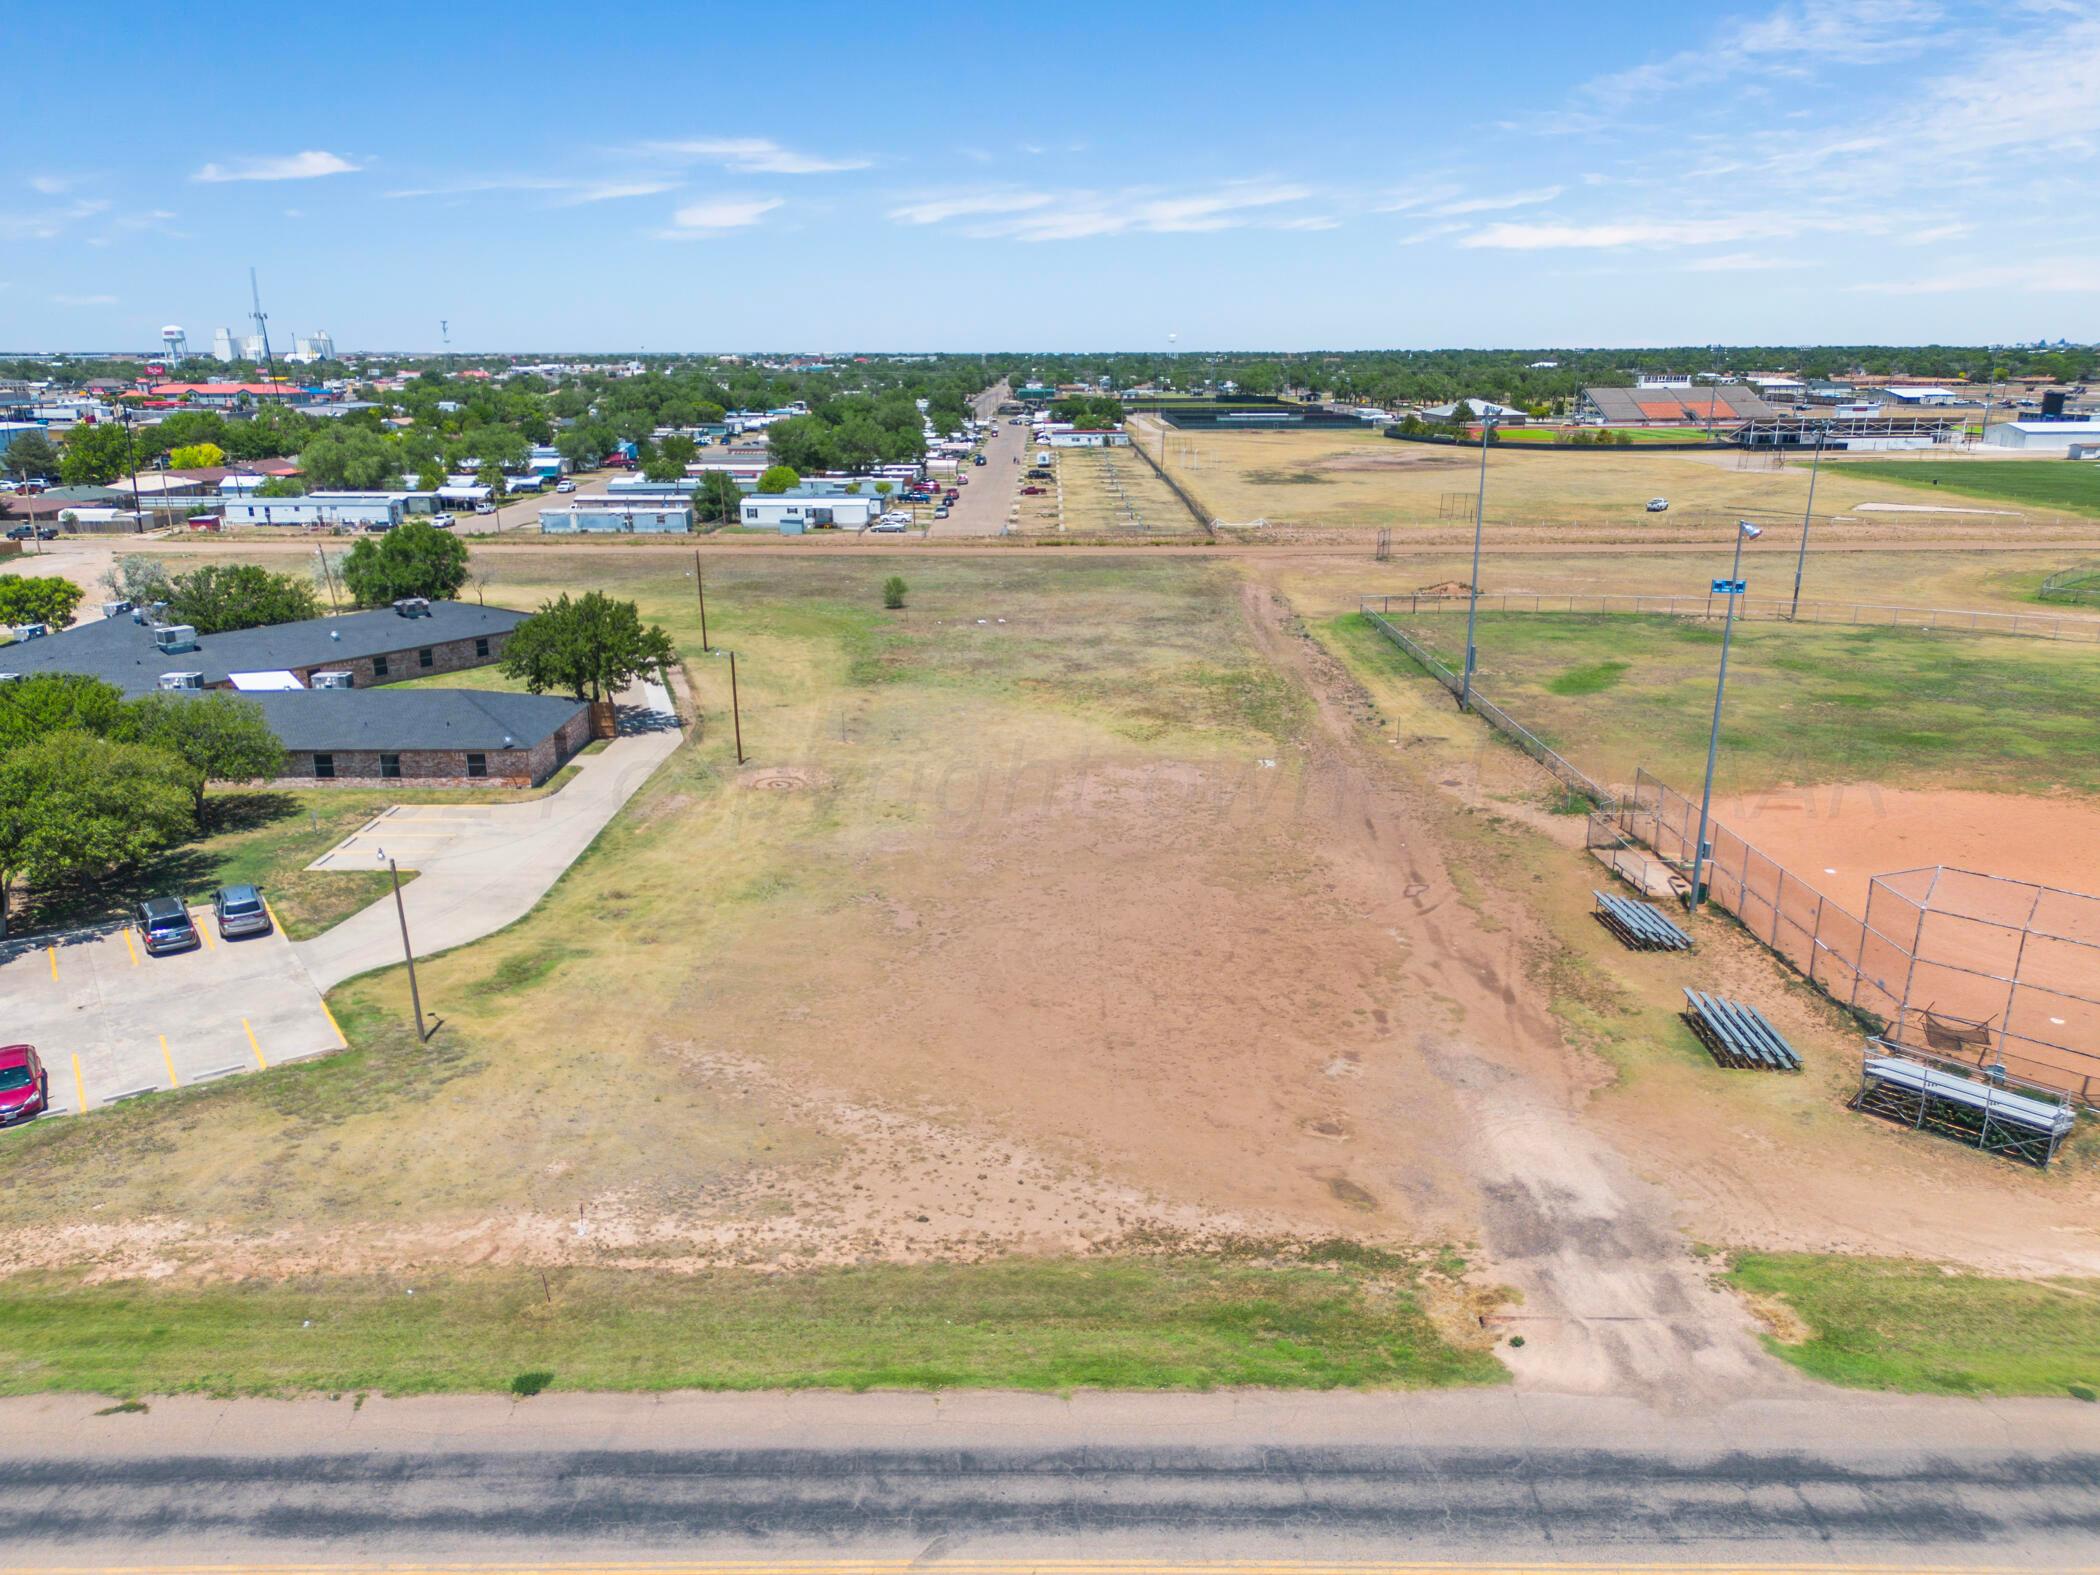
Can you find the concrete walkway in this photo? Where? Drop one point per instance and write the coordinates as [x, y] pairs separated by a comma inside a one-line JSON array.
[[482, 866]]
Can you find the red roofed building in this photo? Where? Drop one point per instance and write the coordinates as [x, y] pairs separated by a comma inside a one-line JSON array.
[[225, 395]]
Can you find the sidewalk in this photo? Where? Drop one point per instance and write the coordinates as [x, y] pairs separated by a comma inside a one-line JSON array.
[[483, 866]]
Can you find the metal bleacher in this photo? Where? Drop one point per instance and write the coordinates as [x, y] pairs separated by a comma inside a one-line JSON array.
[[1737, 1035], [1640, 925]]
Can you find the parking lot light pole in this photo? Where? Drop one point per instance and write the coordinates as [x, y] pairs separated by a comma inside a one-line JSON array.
[[1744, 531], [415, 995], [1807, 518], [1465, 683]]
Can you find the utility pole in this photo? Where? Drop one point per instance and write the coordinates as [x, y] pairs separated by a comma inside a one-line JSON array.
[[736, 711], [700, 585], [131, 463], [1465, 683], [1744, 531], [328, 577], [415, 995], [1807, 515]]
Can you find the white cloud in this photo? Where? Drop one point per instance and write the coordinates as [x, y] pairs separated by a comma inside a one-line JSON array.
[[46, 224], [286, 166], [50, 185], [713, 215], [83, 300], [2041, 276], [1408, 199], [1743, 262], [752, 156], [1786, 41], [1311, 221], [1079, 215], [1515, 199], [563, 191], [1615, 234], [1433, 232], [960, 205]]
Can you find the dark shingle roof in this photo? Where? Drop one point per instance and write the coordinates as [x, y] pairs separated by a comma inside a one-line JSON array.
[[347, 719], [121, 652]]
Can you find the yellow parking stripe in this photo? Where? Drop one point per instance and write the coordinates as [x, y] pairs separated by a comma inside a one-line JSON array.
[[129, 947], [173, 1080], [79, 1083], [204, 934], [272, 912], [341, 1038], [52, 953], [252, 1045]]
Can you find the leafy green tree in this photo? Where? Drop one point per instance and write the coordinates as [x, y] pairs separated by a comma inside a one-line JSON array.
[[218, 735], [184, 429], [222, 596], [584, 445], [412, 559], [662, 469], [678, 449], [282, 487], [48, 600], [894, 591], [138, 577], [39, 704], [430, 478], [31, 454], [349, 458], [74, 806], [95, 455], [717, 499], [777, 479], [592, 648], [197, 456]]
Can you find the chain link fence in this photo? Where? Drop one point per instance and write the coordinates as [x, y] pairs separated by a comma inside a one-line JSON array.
[[2038, 625], [2002, 973]]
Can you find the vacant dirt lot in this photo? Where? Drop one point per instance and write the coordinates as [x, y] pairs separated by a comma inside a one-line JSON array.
[[1084, 904]]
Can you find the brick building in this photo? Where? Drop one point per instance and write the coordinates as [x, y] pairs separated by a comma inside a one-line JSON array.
[[358, 731]]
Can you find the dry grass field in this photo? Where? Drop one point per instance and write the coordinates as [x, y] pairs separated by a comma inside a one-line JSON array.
[[1104, 494], [1209, 986], [1361, 480]]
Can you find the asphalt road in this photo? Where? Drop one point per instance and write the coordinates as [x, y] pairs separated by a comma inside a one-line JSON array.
[[1006, 1481]]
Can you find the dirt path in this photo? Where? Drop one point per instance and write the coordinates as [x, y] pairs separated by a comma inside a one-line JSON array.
[[1613, 1301]]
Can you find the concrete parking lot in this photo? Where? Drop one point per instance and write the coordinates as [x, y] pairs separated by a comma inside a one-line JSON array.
[[111, 1022]]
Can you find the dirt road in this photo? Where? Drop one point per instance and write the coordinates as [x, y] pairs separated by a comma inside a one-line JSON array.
[[1613, 1298]]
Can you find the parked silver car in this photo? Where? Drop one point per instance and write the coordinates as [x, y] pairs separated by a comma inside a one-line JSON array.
[[240, 911]]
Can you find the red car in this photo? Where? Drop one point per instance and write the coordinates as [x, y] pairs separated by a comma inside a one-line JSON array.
[[1031, 492], [25, 1088]]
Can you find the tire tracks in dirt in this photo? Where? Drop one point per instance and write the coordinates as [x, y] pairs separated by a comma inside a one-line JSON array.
[[1612, 1299]]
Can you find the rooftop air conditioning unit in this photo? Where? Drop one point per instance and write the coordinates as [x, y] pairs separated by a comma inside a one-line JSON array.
[[413, 607], [182, 680], [115, 609], [30, 631], [175, 637], [336, 679]]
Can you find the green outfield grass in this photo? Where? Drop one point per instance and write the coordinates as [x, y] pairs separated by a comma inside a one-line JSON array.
[[1633, 435], [1311, 1320], [1806, 702], [2053, 484], [1880, 1323]]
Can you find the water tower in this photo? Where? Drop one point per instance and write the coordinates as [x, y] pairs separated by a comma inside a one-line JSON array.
[[174, 342]]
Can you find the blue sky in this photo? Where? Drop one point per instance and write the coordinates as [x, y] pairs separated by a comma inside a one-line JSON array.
[[1060, 177]]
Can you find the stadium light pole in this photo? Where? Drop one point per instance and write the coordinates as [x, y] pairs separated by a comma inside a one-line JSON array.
[[1465, 683], [1744, 531], [1807, 515]]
